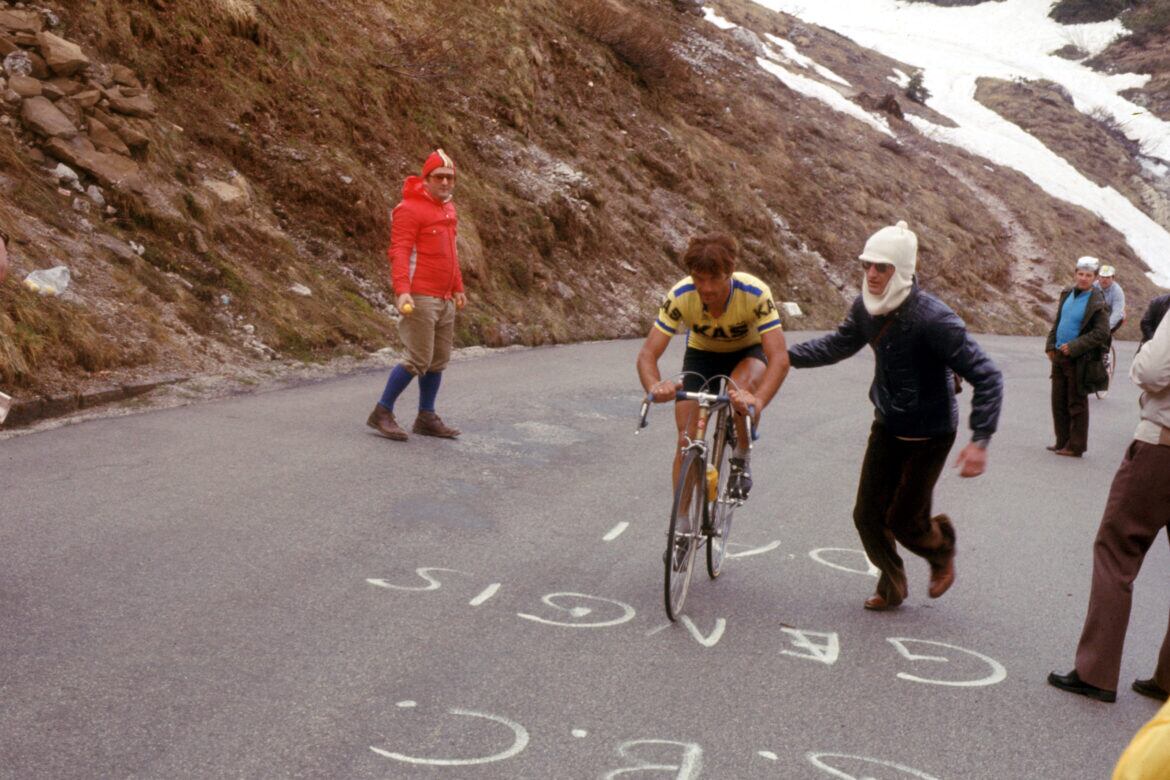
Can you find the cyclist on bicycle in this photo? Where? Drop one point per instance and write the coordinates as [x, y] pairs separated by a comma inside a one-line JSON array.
[[734, 330]]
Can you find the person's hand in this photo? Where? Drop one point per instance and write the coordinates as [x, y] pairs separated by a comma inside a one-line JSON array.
[[742, 399], [402, 301], [460, 300], [972, 461], [1064, 349], [1051, 354], [664, 390]]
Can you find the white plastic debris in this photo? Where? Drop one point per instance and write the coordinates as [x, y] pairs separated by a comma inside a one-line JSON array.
[[300, 289], [792, 309], [17, 63], [51, 281]]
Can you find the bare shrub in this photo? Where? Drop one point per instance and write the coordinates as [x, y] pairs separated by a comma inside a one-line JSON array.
[[635, 39], [1148, 19], [427, 54], [1085, 11], [1116, 131], [916, 90]]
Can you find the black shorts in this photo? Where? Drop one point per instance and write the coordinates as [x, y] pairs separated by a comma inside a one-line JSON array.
[[711, 364]]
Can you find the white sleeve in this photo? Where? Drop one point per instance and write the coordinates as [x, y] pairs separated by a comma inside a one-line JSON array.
[[1151, 366]]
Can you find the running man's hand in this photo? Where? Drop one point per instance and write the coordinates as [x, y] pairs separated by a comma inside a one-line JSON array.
[[460, 300], [972, 461], [664, 390], [403, 301]]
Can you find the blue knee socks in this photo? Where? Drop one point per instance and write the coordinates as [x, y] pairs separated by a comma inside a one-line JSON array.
[[428, 389], [399, 379]]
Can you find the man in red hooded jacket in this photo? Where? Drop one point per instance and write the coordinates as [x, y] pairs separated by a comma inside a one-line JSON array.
[[428, 288]]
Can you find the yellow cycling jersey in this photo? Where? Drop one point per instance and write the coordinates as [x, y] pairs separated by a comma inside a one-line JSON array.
[[750, 311]]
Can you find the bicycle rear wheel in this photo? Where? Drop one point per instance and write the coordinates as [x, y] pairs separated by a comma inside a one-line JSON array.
[[682, 540], [723, 507]]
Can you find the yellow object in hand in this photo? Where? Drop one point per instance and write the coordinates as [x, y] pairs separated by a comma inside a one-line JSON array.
[[407, 309]]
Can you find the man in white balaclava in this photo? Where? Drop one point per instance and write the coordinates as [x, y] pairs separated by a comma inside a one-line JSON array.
[[893, 248], [919, 345]]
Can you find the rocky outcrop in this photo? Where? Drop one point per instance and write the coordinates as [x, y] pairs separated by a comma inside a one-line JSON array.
[[95, 117]]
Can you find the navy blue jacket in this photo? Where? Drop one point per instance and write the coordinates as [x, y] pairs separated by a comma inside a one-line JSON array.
[[913, 390]]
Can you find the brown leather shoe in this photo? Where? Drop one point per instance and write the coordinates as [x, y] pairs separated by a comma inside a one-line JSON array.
[[878, 603], [429, 424], [942, 578], [382, 420]]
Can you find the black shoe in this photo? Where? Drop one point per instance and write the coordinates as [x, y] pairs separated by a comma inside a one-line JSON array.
[[1151, 689], [1072, 683], [739, 482]]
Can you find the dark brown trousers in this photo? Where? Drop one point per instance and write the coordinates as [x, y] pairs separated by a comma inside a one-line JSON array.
[[1070, 409], [1137, 509], [893, 504]]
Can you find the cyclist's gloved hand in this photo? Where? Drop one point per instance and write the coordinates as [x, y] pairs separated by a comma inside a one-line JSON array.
[[664, 390]]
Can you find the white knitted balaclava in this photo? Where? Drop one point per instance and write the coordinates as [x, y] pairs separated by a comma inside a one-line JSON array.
[[898, 246]]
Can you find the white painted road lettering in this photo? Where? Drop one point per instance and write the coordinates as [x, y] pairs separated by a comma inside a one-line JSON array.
[[998, 672], [824, 556], [689, 765], [826, 651], [749, 551], [616, 531], [485, 594], [519, 742], [424, 572], [820, 761], [706, 641], [581, 611]]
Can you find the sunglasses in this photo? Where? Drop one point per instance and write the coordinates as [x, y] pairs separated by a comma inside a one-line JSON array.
[[444, 176], [883, 267]]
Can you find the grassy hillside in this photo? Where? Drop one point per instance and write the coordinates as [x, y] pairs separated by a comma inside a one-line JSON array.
[[593, 137]]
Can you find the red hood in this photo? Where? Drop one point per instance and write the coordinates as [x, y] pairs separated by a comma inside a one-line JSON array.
[[414, 187]]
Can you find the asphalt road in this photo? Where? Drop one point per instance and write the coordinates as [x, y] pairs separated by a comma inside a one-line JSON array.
[[261, 587]]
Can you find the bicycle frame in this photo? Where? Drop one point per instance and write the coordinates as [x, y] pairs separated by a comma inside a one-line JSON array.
[[701, 492]]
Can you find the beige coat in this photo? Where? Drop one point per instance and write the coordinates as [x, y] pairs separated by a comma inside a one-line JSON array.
[[1151, 372]]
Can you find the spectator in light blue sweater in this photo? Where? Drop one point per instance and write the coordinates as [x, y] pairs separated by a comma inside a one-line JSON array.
[[1074, 346]]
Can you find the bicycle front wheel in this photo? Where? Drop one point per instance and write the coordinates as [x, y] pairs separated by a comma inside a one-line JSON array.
[[723, 507], [682, 540]]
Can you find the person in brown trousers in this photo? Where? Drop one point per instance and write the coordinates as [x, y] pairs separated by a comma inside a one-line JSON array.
[[919, 346], [1079, 332], [1138, 508]]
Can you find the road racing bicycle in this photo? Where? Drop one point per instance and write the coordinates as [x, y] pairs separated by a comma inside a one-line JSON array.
[[705, 499]]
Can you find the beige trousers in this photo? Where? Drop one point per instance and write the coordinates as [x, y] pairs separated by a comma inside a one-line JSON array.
[[428, 333]]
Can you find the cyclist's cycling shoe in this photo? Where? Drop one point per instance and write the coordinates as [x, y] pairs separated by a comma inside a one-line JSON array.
[[739, 481]]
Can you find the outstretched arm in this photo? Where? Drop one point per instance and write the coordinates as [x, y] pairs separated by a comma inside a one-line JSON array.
[[648, 356]]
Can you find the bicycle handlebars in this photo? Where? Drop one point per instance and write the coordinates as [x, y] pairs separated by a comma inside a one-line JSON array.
[[703, 398]]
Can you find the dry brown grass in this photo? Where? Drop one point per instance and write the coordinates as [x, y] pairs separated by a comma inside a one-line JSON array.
[[636, 39]]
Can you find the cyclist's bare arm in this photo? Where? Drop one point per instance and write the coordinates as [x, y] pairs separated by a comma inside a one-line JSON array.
[[652, 349], [776, 350]]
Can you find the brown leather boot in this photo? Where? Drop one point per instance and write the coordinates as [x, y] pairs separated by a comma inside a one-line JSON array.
[[429, 424], [382, 420]]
